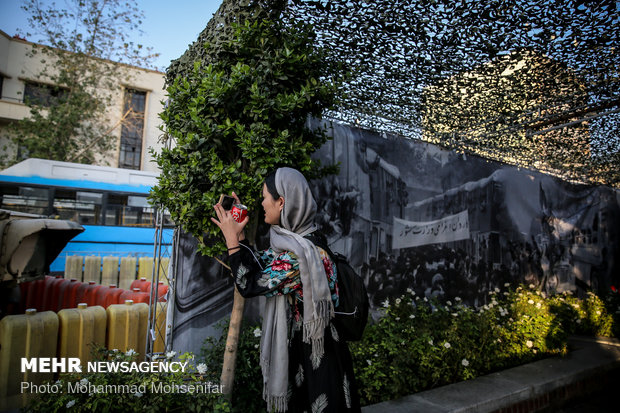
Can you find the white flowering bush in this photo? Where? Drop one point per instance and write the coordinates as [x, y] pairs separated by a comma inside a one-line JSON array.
[[420, 344], [80, 392]]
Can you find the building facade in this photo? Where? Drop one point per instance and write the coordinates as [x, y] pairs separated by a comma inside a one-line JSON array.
[[140, 92]]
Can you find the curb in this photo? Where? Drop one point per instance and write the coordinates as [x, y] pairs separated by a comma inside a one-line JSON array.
[[536, 386]]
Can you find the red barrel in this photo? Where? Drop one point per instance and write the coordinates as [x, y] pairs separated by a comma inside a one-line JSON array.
[[63, 289], [162, 291], [136, 296], [69, 297], [51, 301], [80, 295], [91, 293], [114, 294], [36, 293], [142, 284], [107, 296]]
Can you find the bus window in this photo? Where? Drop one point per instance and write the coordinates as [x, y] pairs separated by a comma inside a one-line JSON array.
[[78, 206], [139, 212], [129, 211], [26, 199], [114, 209]]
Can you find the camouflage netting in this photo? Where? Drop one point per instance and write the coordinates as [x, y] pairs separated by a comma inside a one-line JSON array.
[[532, 83]]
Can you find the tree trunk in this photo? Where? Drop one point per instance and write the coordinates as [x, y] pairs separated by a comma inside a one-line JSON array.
[[232, 341]]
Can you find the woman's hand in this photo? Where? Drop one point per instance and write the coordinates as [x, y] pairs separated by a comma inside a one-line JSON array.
[[231, 229], [237, 201]]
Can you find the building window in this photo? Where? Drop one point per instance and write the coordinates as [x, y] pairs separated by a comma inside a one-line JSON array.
[[1, 84], [43, 95], [132, 129]]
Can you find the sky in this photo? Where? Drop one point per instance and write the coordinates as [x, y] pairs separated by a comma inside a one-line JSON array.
[[169, 26]]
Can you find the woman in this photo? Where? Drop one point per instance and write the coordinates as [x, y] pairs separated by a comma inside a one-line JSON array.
[[305, 366]]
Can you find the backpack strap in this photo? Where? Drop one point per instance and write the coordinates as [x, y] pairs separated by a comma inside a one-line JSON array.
[[320, 241]]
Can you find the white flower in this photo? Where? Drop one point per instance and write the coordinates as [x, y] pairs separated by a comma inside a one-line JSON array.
[[529, 343], [397, 301], [531, 286], [202, 368], [425, 299], [137, 394], [448, 302], [397, 318], [446, 345], [130, 352], [578, 321], [171, 354], [386, 303], [84, 382], [506, 293], [530, 301], [70, 404], [413, 316], [598, 312], [538, 305], [496, 289], [255, 345], [457, 299], [430, 342], [455, 314], [465, 362], [506, 284], [114, 350], [410, 291], [257, 332], [369, 362]]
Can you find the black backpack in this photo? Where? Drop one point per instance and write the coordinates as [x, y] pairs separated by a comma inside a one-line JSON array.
[[351, 315]]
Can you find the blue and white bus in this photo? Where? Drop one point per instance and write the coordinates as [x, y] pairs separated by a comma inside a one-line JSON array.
[[110, 203]]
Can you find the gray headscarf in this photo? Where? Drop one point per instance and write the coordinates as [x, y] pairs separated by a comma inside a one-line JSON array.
[[296, 221]]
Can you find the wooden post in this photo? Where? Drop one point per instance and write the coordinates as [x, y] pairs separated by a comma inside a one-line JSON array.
[[232, 341]]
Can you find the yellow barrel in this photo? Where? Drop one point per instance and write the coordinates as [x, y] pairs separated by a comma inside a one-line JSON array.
[[145, 269], [159, 344], [109, 275], [31, 335], [92, 269], [73, 267], [127, 325], [128, 272], [163, 270], [80, 329]]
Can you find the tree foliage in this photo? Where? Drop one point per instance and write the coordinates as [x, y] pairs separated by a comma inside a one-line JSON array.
[[238, 117], [79, 48], [429, 69]]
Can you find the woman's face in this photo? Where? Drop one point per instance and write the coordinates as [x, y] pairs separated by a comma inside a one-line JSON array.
[[272, 207]]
